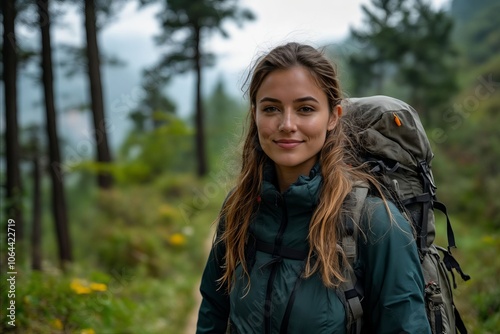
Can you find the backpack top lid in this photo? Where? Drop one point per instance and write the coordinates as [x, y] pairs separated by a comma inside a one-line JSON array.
[[389, 128]]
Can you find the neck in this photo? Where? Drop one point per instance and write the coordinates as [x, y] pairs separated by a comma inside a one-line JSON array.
[[287, 176]]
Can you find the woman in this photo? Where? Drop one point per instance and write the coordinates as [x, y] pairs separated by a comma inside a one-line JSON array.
[[276, 265]]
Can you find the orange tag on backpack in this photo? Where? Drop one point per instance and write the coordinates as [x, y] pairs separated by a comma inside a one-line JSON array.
[[397, 120]]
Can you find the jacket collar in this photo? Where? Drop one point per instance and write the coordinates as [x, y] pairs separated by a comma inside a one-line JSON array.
[[303, 194]]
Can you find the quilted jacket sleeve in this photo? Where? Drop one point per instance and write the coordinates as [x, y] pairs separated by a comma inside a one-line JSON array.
[[392, 276]]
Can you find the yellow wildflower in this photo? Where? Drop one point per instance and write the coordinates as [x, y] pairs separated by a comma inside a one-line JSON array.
[[98, 286], [87, 331], [82, 290], [488, 240], [57, 323], [79, 286], [177, 239]]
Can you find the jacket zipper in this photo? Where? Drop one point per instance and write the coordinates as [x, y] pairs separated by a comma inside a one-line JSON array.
[[276, 259]]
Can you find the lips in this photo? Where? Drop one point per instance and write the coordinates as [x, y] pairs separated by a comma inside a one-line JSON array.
[[288, 143]]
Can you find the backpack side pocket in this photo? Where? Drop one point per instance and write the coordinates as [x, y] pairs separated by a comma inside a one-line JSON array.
[[438, 294]]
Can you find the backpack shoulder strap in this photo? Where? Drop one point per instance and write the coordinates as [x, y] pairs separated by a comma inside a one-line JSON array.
[[349, 292]]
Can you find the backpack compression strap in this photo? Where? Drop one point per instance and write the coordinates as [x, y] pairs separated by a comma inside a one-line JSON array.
[[349, 291]]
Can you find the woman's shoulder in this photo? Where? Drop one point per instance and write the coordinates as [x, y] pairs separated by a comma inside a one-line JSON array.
[[382, 219]]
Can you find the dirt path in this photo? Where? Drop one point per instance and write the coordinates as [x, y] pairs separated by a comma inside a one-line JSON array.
[[193, 317]]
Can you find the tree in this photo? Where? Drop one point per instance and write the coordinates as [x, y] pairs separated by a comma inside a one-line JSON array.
[[465, 10], [223, 112], [154, 107], [471, 141], [159, 141], [105, 180], [58, 198], [186, 25], [408, 43], [32, 152], [477, 24], [13, 183]]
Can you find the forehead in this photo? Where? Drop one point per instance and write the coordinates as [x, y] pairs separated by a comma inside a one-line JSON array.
[[290, 82]]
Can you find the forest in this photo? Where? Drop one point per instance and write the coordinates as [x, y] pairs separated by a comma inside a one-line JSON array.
[[114, 238]]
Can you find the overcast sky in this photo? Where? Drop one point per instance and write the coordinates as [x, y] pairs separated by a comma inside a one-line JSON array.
[[277, 21], [130, 37]]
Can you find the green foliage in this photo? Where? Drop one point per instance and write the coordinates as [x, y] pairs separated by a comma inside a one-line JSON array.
[[472, 137], [488, 310], [155, 108], [477, 299], [224, 119], [407, 44], [465, 10], [139, 231], [176, 185], [53, 302], [145, 155], [137, 260], [477, 30], [469, 149], [484, 32]]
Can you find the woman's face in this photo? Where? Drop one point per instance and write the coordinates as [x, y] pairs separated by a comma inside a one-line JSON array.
[[292, 118]]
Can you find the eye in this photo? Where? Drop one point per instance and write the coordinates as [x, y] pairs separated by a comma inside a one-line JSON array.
[[306, 109], [270, 109]]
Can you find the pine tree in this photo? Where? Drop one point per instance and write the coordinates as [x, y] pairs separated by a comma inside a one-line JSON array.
[[186, 25], [408, 45], [57, 178], [10, 62]]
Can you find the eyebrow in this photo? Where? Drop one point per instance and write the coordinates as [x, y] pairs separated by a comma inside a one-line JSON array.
[[305, 99], [300, 99]]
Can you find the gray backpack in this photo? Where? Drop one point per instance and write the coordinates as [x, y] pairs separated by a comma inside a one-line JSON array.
[[393, 141]]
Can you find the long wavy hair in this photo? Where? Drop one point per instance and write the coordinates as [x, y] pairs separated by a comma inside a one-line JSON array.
[[339, 168]]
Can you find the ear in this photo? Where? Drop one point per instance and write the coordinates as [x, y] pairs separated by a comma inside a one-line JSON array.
[[334, 117]]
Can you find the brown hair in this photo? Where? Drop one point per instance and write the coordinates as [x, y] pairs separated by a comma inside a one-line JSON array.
[[336, 164]]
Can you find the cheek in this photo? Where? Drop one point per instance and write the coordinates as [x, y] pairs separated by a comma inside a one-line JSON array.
[[264, 129], [317, 131], [264, 133]]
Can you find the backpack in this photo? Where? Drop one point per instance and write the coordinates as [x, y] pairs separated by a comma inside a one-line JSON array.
[[393, 142]]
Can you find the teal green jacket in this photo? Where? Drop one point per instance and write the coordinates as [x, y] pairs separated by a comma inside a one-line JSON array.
[[278, 301]]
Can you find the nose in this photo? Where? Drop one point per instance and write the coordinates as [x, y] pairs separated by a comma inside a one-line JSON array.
[[287, 123]]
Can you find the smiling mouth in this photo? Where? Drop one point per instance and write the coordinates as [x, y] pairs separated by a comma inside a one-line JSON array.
[[288, 144]]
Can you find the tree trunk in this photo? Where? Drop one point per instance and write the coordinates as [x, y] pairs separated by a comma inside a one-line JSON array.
[[36, 233], [58, 198], [200, 133], [104, 180], [13, 184]]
